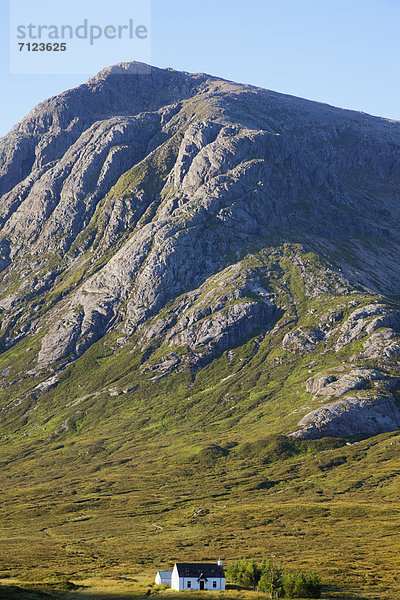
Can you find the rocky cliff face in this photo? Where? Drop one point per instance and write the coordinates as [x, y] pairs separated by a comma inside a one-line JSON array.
[[179, 216]]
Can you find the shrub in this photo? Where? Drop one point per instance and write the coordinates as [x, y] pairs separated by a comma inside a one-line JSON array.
[[273, 581], [301, 585]]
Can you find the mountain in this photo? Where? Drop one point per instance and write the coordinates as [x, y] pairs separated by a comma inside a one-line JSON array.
[[196, 268], [188, 214]]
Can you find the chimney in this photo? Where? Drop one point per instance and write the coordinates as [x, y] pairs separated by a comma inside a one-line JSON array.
[[220, 563]]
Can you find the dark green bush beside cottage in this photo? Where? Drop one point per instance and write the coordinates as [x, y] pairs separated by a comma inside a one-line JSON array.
[[274, 581]]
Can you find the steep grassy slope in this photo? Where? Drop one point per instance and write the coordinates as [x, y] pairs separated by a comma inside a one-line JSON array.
[[259, 384]]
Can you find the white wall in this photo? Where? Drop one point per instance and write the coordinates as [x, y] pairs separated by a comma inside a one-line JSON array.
[[163, 577], [181, 583], [176, 581], [220, 584]]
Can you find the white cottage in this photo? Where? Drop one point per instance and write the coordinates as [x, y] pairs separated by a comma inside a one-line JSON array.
[[198, 576], [163, 577]]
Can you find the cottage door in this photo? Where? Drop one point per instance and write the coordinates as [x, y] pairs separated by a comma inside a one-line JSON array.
[[202, 585]]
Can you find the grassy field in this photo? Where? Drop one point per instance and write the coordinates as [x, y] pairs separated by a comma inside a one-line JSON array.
[[332, 510], [119, 589]]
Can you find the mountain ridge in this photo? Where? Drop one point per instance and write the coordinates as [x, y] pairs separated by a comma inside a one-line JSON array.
[[137, 209], [163, 214]]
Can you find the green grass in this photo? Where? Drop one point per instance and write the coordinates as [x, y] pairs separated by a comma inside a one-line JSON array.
[[134, 588], [308, 509]]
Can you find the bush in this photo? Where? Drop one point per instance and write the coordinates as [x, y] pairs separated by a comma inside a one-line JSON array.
[[302, 585], [273, 581]]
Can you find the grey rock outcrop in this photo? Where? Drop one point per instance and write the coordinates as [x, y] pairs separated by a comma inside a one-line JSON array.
[[366, 320], [382, 344], [302, 341], [367, 404], [350, 416], [335, 386]]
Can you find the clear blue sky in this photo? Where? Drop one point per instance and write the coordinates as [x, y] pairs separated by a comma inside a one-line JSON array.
[[344, 52]]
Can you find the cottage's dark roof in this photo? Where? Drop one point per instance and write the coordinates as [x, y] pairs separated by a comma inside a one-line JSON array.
[[196, 569]]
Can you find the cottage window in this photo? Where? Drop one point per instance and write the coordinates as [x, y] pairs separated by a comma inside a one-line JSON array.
[[189, 584], [214, 584]]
